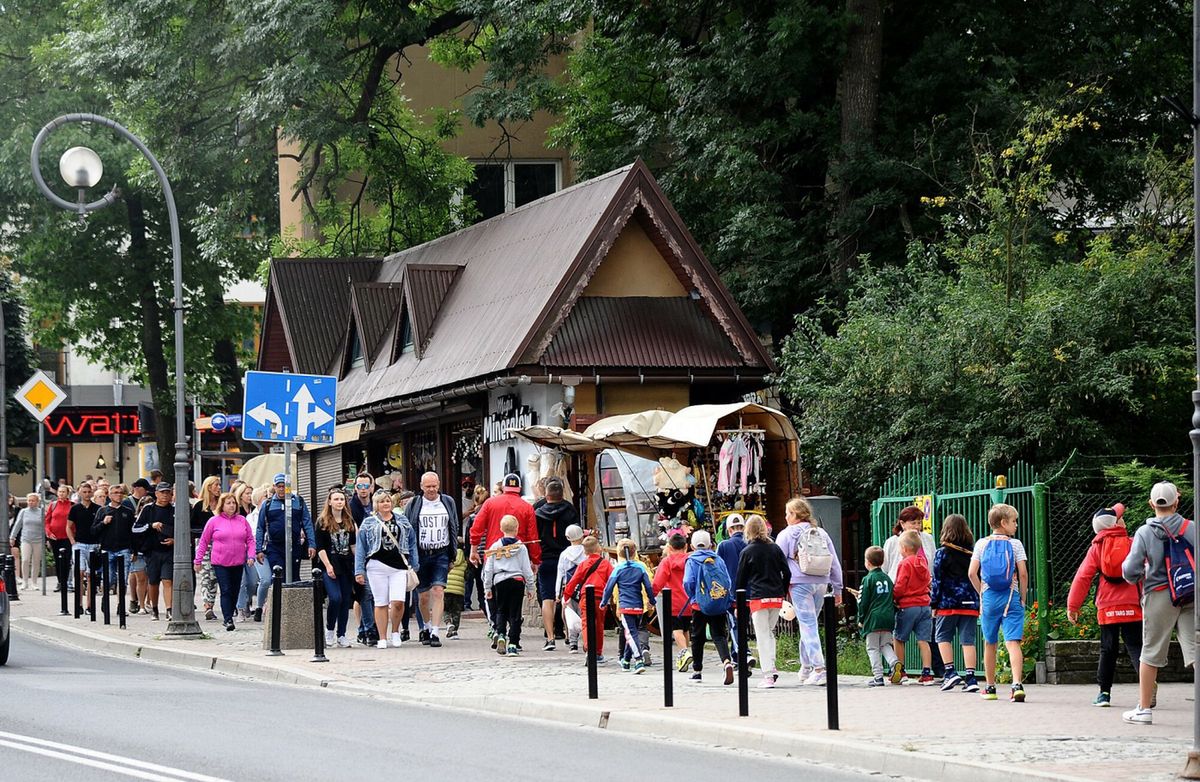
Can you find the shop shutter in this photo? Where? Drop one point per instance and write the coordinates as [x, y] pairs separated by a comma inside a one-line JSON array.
[[304, 472], [328, 473]]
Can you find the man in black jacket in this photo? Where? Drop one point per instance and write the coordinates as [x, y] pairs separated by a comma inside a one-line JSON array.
[[113, 529], [553, 516], [155, 526]]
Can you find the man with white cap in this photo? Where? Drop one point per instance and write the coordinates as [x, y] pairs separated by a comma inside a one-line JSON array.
[[1166, 603], [268, 537]]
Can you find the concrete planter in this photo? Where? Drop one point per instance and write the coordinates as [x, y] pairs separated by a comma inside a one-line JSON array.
[[1074, 662]]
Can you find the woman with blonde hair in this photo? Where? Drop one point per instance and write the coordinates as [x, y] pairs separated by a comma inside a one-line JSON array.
[[474, 572], [814, 569], [263, 568], [763, 572], [205, 508], [385, 549]]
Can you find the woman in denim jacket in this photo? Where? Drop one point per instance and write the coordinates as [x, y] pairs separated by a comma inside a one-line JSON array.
[[387, 547]]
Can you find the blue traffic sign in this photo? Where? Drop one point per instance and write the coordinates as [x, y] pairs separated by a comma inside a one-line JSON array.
[[286, 407], [220, 422]]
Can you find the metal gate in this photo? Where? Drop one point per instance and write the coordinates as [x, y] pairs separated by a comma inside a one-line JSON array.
[[952, 484]]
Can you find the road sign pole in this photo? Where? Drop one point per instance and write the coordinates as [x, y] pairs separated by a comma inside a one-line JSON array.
[[287, 514], [41, 461]]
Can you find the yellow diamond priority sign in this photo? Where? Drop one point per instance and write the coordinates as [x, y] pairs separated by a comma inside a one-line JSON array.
[[40, 395]]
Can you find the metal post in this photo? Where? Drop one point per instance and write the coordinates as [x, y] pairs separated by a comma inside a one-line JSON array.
[[831, 694], [62, 569], [666, 618], [105, 605], [289, 576], [40, 460], [1041, 536], [276, 610], [589, 604], [121, 592], [1192, 768], [743, 654], [10, 579], [318, 588], [183, 622], [91, 582], [78, 579]]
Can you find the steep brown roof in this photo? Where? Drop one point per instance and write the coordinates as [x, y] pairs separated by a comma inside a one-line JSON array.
[[640, 331], [313, 300], [425, 288], [375, 306]]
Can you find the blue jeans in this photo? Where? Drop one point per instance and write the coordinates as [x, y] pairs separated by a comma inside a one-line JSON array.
[[366, 607], [113, 556], [806, 598], [264, 581], [229, 582], [341, 594], [249, 586]]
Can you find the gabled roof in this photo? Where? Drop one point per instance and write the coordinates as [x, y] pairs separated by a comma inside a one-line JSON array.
[[612, 332], [311, 298], [508, 293], [425, 288], [375, 306]]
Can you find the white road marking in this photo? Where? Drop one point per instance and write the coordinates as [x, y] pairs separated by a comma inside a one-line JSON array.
[[131, 767]]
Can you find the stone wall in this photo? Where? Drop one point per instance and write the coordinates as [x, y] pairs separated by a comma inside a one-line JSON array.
[[1074, 662]]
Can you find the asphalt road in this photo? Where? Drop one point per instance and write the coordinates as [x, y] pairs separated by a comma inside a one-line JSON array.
[[70, 714]]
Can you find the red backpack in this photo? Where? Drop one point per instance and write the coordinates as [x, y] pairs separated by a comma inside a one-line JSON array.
[[1113, 551]]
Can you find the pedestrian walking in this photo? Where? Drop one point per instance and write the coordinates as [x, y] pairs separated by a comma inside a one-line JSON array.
[[815, 569], [80, 518], [385, 549], [204, 509], [553, 516], [360, 508], [228, 544], [507, 578], [56, 534], [955, 602], [763, 572], [634, 591], [154, 533], [434, 516], [269, 531], [708, 586], [113, 529], [595, 571], [669, 573], [335, 550], [1000, 573], [568, 562], [29, 530]]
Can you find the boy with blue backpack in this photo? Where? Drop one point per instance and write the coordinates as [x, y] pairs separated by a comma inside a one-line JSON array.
[[1163, 559], [1000, 573], [708, 586]]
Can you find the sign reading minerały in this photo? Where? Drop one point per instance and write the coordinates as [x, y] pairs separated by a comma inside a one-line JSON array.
[[510, 414]]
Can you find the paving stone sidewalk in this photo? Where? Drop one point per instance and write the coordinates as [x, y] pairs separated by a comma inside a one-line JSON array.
[[1057, 732]]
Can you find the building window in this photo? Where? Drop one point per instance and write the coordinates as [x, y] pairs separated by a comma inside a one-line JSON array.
[[406, 335], [503, 187], [356, 350], [52, 361]]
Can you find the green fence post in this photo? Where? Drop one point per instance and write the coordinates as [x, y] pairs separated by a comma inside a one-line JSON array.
[[1041, 532]]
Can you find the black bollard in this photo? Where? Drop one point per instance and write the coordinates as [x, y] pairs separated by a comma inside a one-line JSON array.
[[589, 603], [10, 577], [666, 620], [743, 619], [78, 582], [831, 696], [105, 584], [91, 579], [61, 570], [276, 610], [121, 592], [318, 625]]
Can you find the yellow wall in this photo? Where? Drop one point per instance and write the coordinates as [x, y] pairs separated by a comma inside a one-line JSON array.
[[620, 398], [634, 267]]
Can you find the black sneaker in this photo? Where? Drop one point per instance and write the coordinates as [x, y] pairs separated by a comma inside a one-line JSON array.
[[434, 641], [696, 676], [168, 615], [362, 637], [549, 646], [258, 614], [134, 607], [229, 625], [950, 681], [209, 615], [154, 613], [423, 636], [404, 635]]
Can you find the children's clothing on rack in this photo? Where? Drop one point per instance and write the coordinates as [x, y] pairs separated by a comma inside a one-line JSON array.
[[740, 461]]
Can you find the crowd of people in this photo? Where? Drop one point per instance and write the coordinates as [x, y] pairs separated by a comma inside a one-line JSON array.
[[389, 556]]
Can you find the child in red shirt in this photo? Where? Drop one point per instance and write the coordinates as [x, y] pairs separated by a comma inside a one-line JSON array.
[[595, 570], [670, 574], [911, 594]]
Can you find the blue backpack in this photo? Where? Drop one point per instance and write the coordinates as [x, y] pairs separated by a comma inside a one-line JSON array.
[[997, 564], [1181, 567], [714, 589]]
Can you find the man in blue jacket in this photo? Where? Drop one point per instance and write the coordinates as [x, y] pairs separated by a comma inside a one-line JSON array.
[[434, 517], [268, 538]]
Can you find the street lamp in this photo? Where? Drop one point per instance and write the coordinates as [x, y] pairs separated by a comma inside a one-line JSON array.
[[81, 168]]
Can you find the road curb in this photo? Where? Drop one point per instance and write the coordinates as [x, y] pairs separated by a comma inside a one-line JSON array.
[[821, 747]]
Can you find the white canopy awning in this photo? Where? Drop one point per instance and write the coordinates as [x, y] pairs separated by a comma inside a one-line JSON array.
[[695, 426]]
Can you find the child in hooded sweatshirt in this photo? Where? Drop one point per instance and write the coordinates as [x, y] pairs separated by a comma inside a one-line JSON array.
[[720, 589], [955, 602], [507, 577], [568, 562], [1118, 603], [456, 590], [1147, 564], [594, 570], [670, 574], [635, 589], [912, 602]]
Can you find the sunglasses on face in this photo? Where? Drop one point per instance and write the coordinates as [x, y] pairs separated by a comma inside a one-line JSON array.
[[362, 485]]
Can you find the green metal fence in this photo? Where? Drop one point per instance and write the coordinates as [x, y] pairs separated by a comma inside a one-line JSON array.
[[957, 485]]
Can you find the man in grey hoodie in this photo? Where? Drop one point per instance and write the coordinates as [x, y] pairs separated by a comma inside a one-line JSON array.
[[1146, 563]]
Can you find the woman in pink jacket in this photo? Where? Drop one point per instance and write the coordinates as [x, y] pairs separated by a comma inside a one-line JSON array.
[[232, 549]]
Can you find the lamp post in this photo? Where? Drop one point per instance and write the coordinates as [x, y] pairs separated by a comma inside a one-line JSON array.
[[1192, 768], [6, 555], [81, 168]]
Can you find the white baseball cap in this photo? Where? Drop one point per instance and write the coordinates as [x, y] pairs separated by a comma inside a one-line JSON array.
[[1164, 495], [701, 539]]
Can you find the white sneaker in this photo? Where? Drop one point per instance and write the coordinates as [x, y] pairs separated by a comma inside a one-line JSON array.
[[381, 644], [343, 642], [768, 682], [1139, 716], [805, 673], [330, 638], [816, 679], [396, 640]]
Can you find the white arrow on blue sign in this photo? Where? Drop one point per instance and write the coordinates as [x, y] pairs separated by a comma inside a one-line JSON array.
[[286, 407]]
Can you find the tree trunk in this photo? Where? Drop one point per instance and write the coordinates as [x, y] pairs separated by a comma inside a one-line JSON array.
[[152, 337], [858, 96]]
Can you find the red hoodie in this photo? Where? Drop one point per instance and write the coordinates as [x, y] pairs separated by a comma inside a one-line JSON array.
[[598, 577], [912, 582], [1115, 602], [670, 574], [486, 529]]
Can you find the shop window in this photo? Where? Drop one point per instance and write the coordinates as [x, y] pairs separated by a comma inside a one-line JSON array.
[[502, 187]]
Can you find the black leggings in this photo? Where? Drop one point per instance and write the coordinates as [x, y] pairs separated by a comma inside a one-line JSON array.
[[718, 628], [1110, 650]]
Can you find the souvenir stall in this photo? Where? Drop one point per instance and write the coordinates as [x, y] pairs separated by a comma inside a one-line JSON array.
[[656, 472]]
